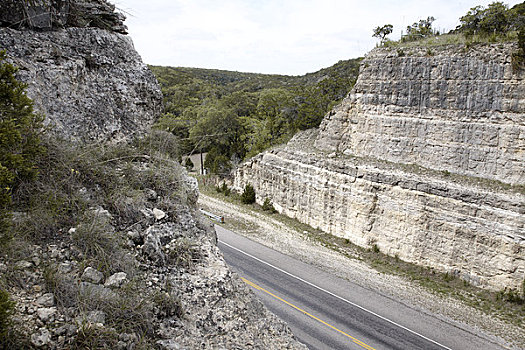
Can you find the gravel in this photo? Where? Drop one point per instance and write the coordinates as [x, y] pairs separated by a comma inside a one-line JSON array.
[[293, 242]]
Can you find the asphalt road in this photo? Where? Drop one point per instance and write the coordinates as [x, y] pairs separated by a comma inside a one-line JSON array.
[[326, 312]]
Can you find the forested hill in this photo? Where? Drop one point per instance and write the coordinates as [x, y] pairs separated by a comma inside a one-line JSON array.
[[234, 115]]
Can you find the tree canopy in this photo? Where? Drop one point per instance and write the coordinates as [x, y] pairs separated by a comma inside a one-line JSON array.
[[234, 115], [383, 32], [496, 18]]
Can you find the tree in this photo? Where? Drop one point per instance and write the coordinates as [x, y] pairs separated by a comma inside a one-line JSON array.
[[420, 30], [188, 164], [383, 32], [248, 196], [494, 18], [470, 22], [20, 130]]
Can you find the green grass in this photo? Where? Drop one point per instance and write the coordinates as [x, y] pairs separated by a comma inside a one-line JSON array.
[[74, 183]]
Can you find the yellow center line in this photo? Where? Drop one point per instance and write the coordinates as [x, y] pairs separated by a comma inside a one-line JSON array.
[[357, 341]]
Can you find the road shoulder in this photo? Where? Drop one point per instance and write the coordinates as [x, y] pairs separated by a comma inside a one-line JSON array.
[[292, 242]]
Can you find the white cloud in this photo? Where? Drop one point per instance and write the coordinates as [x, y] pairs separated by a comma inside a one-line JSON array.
[[272, 36]]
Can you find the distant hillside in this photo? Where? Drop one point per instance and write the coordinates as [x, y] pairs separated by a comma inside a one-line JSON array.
[[233, 115]]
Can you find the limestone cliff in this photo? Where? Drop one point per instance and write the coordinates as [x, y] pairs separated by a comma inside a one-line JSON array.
[[82, 71], [425, 158], [106, 247]]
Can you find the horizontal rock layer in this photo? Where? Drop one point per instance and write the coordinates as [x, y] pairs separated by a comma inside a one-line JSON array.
[[90, 83], [453, 111], [425, 158]]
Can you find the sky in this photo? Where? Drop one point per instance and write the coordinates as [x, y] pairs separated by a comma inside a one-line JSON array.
[[291, 37]]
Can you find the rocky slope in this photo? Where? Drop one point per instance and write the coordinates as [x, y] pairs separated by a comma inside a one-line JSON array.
[[424, 159], [107, 247]]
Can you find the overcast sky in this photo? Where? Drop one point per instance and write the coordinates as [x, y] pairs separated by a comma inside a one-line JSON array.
[[290, 37]]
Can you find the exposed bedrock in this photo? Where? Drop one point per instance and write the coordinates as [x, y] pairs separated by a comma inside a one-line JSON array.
[[425, 158], [82, 72], [458, 111]]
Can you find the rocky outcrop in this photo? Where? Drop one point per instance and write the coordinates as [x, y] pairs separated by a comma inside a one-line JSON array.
[[178, 292], [89, 82], [146, 271], [446, 109], [53, 14], [424, 159]]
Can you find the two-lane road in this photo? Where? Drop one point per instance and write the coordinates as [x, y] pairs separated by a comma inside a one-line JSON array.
[[326, 312]]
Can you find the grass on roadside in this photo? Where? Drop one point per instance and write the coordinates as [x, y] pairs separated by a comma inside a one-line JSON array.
[[506, 305]]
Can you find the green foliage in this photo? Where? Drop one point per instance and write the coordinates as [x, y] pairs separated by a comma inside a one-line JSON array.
[[224, 189], [383, 32], [7, 307], [188, 164], [20, 130], [496, 19], [236, 115], [268, 206], [248, 196], [217, 162], [419, 30]]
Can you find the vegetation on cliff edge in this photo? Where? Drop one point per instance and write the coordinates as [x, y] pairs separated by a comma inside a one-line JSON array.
[[494, 23]]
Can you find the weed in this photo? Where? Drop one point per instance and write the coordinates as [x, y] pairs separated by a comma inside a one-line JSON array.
[[7, 307], [184, 253], [224, 189], [90, 336], [167, 305], [62, 286]]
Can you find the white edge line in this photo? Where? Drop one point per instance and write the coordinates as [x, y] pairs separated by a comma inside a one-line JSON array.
[[335, 295]]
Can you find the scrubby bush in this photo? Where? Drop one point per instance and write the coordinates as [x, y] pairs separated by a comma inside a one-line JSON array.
[[6, 310], [188, 164], [248, 196], [268, 206], [20, 130], [224, 189]]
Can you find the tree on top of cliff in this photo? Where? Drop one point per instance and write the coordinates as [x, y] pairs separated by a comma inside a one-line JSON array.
[[497, 18], [383, 32], [419, 30]]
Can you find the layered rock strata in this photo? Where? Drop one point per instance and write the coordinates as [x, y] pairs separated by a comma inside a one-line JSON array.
[[425, 159]]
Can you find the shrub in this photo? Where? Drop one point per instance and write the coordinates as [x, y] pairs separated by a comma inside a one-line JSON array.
[[268, 206], [6, 310], [188, 164], [20, 130], [223, 189], [184, 253], [168, 305], [248, 196]]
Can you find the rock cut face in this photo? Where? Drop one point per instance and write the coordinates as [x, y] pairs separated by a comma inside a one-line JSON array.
[[452, 111], [82, 73], [425, 160]]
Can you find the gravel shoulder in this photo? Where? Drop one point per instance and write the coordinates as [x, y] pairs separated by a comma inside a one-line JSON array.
[[292, 241]]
